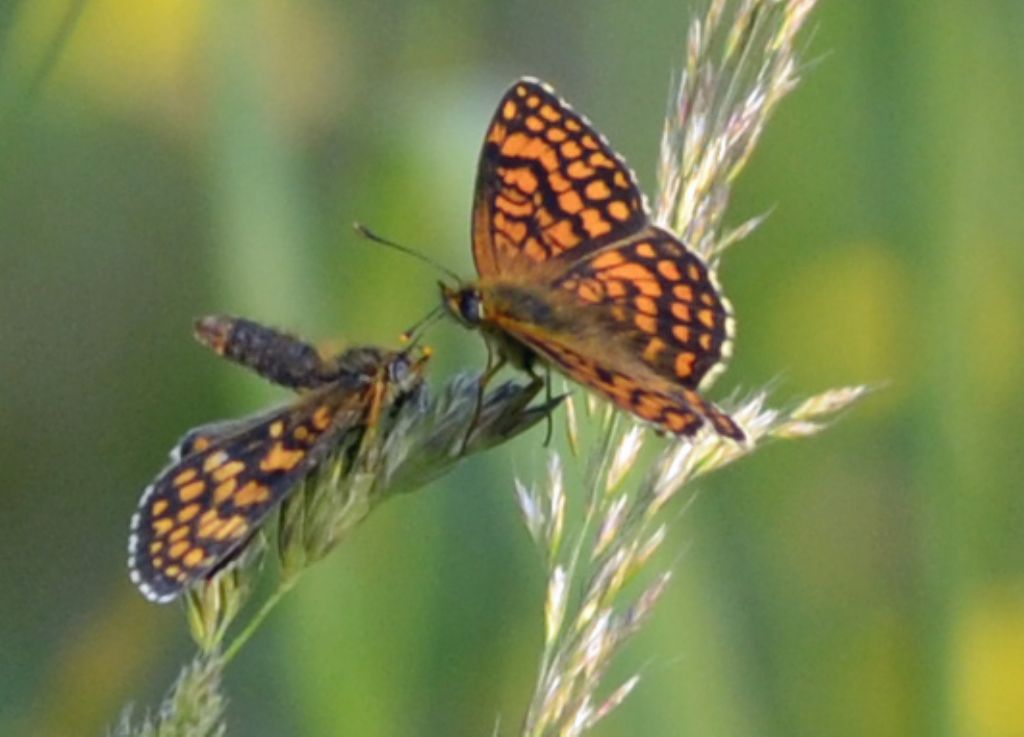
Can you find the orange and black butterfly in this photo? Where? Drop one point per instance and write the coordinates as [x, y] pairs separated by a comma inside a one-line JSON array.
[[573, 271], [226, 478]]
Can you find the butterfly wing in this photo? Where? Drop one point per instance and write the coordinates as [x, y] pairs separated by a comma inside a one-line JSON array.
[[623, 380], [549, 186], [227, 479], [663, 298], [571, 266]]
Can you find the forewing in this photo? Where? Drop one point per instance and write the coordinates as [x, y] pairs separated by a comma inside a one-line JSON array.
[[228, 477], [662, 300], [548, 185]]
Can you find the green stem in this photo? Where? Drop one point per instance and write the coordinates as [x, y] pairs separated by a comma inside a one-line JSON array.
[[257, 619]]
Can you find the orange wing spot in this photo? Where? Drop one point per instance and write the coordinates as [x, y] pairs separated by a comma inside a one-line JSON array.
[[523, 179], [681, 333], [705, 341], [162, 525], [160, 506], [594, 223], [630, 271], [547, 157], [669, 270], [607, 260], [523, 210], [615, 288], [646, 250], [322, 418], [178, 549], [251, 493], [707, 299], [188, 513], [511, 227], [184, 477], [684, 364], [214, 460], [532, 101], [209, 527], [228, 470], [693, 271], [300, 433], [535, 250], [654, 348], [620, 180], [680, 422], [155, 547], [200, 444], [573, 125], [619, 210], [276, 428], [571, 150], [683, 292], [497, 134], [589, 291], [534, 124], [570, 202], [558, 182], [598, 159], [598, 190], [578, 170], [514, 229], [158, 562], [707, 318], [646, 323], [509, 110], [224, 491], [646, 305], [279, 459], [649, 287], [681, 312], [234, 527], [589, 142], [521, 91], [191, 491], [173, 571], [563, 234], [556, 135], [550, 113], [514, 144], [194, 558], [544, 218]]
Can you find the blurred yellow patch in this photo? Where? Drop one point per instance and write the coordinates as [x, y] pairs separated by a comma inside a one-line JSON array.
[[989, 666], [847, 315], [124, 53], [994, 339], [165, 59]]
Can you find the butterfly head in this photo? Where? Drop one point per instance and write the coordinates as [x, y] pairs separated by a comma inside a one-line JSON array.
[[464, 303]]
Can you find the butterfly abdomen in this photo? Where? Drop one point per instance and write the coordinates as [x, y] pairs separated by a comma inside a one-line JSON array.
[[276, 356]]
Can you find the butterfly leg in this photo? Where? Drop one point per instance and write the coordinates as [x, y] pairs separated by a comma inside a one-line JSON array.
[[547, 400], [493, 366]]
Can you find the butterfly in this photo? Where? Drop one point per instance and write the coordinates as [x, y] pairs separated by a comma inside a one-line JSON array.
[[573, 271], [225, 478]]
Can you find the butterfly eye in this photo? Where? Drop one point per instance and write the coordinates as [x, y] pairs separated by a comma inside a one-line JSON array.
[[471, 307], [398, 370]]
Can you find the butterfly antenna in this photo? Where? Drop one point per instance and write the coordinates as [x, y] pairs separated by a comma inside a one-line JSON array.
[[412, 334], [371, 236]]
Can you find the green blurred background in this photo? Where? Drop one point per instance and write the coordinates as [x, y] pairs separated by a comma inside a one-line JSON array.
[[185, 157]]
